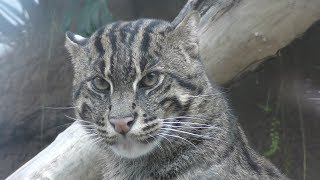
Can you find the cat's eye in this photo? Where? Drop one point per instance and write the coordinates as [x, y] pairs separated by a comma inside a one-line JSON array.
[[100, 85], [151, 79]]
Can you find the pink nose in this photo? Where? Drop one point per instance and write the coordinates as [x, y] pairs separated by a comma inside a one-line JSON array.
[[122, 125]]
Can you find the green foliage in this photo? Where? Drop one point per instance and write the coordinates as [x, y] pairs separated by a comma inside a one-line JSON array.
[[275, 127], [90, 16], [275, 138]]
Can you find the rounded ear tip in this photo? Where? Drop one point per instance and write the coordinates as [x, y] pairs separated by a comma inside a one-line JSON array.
[[75, 38]]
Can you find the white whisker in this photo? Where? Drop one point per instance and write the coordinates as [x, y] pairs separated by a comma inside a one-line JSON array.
[[185, 132], [193, 127], [182, 122], [155, 140], [189, 117], [164, 138], [170, 135], [78, 120]]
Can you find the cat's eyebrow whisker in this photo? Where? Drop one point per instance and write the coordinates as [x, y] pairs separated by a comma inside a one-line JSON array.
[[170, 135]]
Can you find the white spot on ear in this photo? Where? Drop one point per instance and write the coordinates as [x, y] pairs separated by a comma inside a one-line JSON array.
[[78, 37]]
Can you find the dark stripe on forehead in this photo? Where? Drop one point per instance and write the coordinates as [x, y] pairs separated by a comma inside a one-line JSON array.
[[133, 33], [102, 66], [125, 31], [99, 66], [145, 42], [98, 43], [113, 43]]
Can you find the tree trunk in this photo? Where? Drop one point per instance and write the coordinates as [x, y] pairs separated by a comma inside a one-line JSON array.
[[235, 37]]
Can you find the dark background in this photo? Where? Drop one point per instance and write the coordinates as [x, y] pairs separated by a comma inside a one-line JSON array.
[[278, 104]]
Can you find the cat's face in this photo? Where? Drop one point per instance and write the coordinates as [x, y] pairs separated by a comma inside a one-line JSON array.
[[134, 79]]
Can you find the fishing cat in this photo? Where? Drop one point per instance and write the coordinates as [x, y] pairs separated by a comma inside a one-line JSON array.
[[141, 88]]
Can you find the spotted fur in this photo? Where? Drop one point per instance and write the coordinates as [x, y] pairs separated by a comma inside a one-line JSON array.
[[183, 127]]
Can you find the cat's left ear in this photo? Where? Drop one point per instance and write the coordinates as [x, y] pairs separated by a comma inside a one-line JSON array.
[[187, 30], [74, 42]]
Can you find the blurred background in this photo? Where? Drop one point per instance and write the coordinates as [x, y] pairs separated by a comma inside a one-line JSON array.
[[278, 104]]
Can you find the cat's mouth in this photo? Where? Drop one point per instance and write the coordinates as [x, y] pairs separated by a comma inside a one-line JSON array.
[[131, 148]]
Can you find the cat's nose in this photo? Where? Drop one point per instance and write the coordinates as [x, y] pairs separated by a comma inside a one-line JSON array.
[[122, 125]]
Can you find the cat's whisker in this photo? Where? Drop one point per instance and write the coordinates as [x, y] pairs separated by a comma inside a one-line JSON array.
[[189, 117], [62, 125], [192, 127], [196, 135], [189, 133], [95, 142], [179, 137], [93, 135], [187, 123], [78, 120], [204, 118], [164, 138], [155, 140]]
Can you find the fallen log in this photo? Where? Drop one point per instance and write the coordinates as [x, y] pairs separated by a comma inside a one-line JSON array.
[[235, 37]]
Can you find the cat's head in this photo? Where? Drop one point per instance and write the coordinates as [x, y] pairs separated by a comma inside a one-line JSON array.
[[134, 79]]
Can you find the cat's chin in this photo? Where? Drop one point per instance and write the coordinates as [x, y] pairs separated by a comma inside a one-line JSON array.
[[129, 148]]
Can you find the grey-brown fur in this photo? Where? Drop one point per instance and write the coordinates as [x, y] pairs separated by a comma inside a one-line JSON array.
[[205, 142]]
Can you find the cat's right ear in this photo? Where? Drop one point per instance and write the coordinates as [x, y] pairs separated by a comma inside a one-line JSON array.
[[74, 42]]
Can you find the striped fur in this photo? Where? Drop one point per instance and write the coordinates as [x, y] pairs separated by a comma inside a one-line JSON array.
[[183, 128]]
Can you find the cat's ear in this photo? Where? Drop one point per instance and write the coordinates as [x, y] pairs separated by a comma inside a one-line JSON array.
[[74, 42], [187, 29]]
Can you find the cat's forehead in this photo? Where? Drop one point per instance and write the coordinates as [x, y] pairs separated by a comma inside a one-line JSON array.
[[127, 49]]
